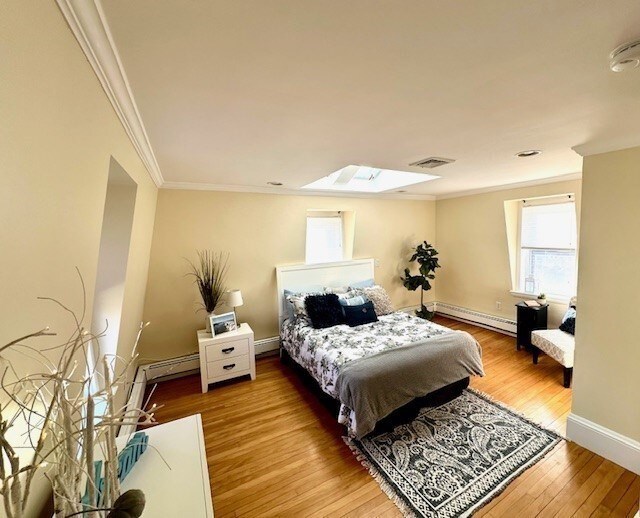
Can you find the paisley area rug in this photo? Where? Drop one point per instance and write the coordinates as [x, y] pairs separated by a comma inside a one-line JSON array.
[[453, 459]]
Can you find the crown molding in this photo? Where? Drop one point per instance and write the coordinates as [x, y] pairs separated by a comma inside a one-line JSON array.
[[87, 21], [192, 186], [509, 186], [599, 147]]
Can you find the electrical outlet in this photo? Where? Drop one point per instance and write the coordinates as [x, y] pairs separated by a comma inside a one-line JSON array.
[[376, 263], [498, 304]]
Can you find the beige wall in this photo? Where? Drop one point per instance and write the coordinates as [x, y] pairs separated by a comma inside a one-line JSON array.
[[261, 231], [471, 237], [606, 382], [57, 135]]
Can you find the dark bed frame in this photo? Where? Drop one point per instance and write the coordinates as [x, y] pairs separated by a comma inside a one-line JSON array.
[[402, 415]]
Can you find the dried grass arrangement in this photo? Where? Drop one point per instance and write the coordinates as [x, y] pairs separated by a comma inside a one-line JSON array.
[[57, 404], [210, 272]]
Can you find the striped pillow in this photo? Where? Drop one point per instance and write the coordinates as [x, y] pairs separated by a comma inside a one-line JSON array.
[[358, 300]]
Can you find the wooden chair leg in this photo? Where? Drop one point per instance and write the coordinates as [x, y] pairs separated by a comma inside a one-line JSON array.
[[536, 353], [568, 375]]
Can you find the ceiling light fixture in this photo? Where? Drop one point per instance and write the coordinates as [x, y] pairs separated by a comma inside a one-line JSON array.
[[529, 153], [275, 184], [625, 57]]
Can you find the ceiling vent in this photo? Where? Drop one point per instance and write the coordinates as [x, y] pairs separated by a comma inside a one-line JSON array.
[[432, 162]]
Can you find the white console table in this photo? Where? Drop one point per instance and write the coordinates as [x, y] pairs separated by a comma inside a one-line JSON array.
[[184, 489]]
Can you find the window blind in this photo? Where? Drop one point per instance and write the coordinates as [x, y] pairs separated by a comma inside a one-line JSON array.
[[324, 239], [549, 226]]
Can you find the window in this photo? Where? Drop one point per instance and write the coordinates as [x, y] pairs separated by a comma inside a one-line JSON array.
[[324, 237], [547, 255]]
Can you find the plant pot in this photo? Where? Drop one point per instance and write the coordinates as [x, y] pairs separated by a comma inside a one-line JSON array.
[[542, 302], [424, 313]]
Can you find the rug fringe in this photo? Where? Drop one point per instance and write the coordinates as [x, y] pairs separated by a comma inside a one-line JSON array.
[[391, 493]]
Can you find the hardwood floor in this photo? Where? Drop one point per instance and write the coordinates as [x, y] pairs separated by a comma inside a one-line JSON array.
[[274, 449]]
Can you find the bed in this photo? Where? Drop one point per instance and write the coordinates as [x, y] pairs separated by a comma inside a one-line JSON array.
[[376, 368]]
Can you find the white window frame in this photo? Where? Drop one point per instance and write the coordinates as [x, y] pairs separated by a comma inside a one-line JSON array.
[[317, 214], [518, 290]]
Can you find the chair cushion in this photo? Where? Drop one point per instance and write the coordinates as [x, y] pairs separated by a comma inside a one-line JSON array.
[[557, 344]]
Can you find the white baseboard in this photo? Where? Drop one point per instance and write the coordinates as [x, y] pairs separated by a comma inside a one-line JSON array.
[[174, 367], [267, 344], [495, 323], [606, 443], [165, 369], [136, 398], [431, 306]]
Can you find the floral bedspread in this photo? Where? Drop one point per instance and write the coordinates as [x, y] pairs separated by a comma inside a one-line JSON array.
[[323, 352]]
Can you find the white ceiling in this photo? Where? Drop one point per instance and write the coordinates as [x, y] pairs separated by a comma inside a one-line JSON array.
[[242, 92]]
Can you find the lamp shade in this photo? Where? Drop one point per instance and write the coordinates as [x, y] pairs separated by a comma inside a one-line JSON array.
[[235, 298]]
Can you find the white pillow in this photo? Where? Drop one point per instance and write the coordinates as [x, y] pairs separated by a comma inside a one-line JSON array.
[[338, 290], [381, 302]]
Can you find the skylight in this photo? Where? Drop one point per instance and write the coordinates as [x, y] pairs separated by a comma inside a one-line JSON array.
[[359, 178]]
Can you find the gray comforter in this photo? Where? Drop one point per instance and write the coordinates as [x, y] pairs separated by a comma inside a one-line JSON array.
[[375, 386]]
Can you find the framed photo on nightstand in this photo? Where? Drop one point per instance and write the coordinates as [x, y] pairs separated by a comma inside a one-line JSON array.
[[223, 323]]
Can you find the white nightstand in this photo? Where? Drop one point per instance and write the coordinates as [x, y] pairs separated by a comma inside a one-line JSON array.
[[226, 356]]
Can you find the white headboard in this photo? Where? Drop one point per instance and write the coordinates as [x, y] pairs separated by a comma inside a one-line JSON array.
[[314, 277]]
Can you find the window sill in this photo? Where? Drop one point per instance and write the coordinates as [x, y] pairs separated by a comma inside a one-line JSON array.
[[531, 296]]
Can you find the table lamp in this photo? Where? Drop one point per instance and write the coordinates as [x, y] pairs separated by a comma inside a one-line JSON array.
[[234, 300]]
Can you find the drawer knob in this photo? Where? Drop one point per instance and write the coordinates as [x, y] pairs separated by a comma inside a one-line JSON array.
[[229, 367], [228, 350]]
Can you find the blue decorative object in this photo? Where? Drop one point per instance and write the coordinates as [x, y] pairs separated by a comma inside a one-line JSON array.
[[129, 455]]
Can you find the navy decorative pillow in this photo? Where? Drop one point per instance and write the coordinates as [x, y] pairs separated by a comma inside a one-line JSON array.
[[324, 310], [358, 315], [569, 326]]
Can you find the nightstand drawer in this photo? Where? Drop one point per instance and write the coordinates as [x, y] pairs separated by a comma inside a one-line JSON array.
[[227, 350], [229, 367]]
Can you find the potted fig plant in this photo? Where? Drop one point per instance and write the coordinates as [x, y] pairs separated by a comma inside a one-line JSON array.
[[210, 273], [426, 257]]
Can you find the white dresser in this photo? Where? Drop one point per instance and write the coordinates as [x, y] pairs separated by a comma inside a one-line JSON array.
[[182, 488], [226, 356]]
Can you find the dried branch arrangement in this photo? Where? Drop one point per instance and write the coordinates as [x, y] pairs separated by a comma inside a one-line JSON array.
[[68, 411]]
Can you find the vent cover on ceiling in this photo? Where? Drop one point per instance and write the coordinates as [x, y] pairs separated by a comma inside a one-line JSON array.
[[431, 162]]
